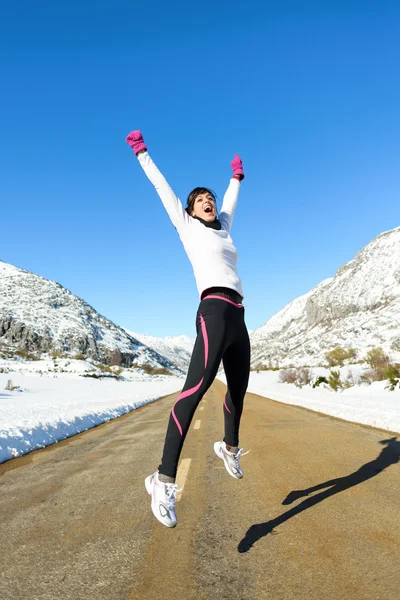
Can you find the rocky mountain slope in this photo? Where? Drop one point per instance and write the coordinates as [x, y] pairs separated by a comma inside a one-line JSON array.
[[38, 315], [359, 307]]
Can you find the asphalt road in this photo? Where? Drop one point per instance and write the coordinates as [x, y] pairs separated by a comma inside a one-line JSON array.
[[317, 515]]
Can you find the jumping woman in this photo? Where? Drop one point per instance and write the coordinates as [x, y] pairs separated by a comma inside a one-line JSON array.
[[221, 330]]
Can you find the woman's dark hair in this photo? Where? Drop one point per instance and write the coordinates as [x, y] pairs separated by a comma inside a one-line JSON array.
[[193, 195]]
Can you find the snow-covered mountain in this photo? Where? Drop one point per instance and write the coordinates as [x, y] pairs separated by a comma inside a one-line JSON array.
[[176, 349], [359, 307], [41, 315]]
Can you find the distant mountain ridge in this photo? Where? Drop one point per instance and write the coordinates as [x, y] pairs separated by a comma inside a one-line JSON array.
[[176, 349], [359, 307], [37, 314]]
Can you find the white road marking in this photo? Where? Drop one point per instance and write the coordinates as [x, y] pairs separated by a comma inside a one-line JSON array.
[[197, 424], [181, 475]]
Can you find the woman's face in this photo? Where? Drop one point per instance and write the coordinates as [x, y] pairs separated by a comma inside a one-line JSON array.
[[204, 207]]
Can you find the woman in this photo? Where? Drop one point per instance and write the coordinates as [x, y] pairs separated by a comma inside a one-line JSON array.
[[221, 330]]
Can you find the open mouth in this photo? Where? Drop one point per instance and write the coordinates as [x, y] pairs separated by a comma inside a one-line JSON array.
[[208, 209]]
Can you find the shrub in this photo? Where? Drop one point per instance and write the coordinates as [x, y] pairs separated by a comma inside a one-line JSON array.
[[288, 376], [94, 375], [377, 359], [338, 355], [381, 367], [10, 387], [105, 371], [393, 383], [155, 370], [334, 379], [79, 356], [320, 379], [349, 381], [104, 368], [368, 377], [27, 355], [303, 377], [392, 371], [259, 368]]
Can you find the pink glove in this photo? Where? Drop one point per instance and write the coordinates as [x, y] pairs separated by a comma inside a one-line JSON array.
[[237, 168], [136, 141]]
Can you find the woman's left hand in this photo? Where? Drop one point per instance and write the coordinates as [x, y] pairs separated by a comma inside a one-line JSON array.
[[136, 141], [237, 168]]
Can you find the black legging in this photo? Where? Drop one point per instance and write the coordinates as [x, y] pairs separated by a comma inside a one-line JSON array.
[[221, 334]]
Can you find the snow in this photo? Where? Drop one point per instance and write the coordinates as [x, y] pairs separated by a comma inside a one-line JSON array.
[[50, 407], [366, 404], [53, 401]]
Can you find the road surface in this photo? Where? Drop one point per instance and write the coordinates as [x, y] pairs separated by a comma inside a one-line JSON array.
[[316, 516]]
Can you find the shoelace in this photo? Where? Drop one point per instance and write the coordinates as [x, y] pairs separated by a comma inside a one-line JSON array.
[[171, 490], [238, 454]]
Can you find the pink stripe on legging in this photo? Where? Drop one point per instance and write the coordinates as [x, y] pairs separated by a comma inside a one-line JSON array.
[[205, 338], [222, 298], [226, 406], [193, 390]]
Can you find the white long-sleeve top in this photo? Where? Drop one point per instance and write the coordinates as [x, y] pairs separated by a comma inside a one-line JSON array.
[[211, 252]]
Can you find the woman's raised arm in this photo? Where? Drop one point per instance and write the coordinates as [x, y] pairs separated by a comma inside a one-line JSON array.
[[172, 204], [231, 195]]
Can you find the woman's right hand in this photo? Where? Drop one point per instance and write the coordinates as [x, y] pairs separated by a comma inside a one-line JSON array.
[[237, 168], [136, 141]]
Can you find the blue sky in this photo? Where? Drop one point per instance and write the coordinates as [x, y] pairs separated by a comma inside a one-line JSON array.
[[308, 94]]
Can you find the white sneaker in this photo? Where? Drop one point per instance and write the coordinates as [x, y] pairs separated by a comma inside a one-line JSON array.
[[231, 460], [163, 496]]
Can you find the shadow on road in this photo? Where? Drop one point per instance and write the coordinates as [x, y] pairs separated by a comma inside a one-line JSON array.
[[390, 455]]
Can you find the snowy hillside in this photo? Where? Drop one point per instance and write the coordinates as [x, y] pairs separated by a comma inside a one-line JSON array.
[[359, 307], [38, 315], [176, 349]]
